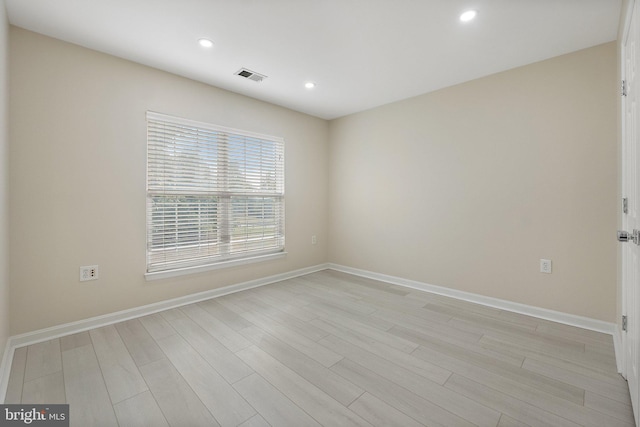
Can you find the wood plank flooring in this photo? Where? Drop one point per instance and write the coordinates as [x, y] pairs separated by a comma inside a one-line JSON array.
[[328, 349]]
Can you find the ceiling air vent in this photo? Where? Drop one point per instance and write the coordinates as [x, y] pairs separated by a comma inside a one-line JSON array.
[[251, 75]]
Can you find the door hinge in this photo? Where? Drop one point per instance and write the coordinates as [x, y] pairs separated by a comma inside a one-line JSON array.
[[623, 88], [625, 205], [624, 323]]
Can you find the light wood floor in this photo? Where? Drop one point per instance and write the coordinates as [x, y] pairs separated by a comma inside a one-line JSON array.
[[328, 349]]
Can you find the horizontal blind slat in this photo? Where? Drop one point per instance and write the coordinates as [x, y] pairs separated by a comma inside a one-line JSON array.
[[213, 193]]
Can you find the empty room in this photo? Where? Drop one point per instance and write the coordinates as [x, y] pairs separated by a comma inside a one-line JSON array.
[[319, 213]]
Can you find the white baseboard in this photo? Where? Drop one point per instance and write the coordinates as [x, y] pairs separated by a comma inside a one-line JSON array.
[[541, 313], [120, 316], [5, 369]]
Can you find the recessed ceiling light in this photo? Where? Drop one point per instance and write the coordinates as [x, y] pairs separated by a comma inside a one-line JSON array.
[[309, 85], [205, 43], [468, 15]]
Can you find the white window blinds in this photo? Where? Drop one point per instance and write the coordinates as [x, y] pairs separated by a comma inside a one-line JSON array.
[[213, 194]]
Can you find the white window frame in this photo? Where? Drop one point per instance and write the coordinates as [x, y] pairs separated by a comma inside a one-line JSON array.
[[241, 188]]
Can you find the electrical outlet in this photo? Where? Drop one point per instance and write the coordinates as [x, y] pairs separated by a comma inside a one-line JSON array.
[[545, 266], [88, 272], [314, 240]]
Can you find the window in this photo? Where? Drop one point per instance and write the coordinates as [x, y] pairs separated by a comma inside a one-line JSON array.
[[213, 194]]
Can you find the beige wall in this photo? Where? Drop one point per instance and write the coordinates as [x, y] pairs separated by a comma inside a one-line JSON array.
[[77, 156], [468, 187], [4, 217]]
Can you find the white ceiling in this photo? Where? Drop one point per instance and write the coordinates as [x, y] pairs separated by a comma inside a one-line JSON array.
[[361, 53]]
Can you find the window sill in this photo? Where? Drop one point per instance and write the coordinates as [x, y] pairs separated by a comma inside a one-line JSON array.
[[157, 275]]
